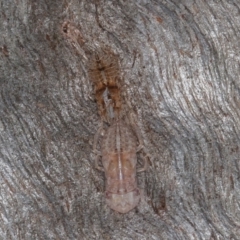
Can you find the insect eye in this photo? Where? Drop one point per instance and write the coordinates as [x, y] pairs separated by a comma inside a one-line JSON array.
[[108, 195], [101, 68], [65, 29], [136, 192]]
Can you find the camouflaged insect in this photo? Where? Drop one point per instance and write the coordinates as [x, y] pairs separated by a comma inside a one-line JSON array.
[[121, 142]]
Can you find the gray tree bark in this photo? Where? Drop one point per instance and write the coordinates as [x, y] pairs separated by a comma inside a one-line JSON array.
[[180, 70]]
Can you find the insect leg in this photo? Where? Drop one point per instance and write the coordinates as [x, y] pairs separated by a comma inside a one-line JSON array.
[[145, 166], [95, 150], [96, 139], [138, 133], [97, 159]]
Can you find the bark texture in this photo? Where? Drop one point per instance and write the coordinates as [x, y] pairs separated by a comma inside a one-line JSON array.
[[180, 64]]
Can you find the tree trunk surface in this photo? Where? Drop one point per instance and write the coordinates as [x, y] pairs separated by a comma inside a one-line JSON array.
[[180, 69]]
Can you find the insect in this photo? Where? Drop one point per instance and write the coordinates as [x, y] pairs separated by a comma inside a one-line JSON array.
[[122, 142], [118, 155]]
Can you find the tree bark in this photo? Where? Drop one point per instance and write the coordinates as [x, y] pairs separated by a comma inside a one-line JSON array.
[[180, 77]]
